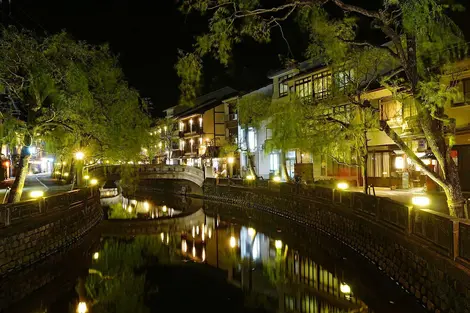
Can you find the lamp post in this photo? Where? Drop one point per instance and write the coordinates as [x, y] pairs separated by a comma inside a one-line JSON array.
[[230, 161], [79, 156]]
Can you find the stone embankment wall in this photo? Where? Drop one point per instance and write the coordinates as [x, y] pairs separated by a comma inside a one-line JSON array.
[[32, 230], [427, 253]]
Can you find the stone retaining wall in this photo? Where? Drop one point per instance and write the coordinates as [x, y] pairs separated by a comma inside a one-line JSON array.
[[57, 222], [417, 249]]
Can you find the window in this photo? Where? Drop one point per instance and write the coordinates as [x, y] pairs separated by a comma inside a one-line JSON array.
[[466, 90], [274, 163], [390, 110], [409, 108], [303, 88], [343, 78], [283, 88], [322, 85], [251, 139], [378, 164], [463, 88], [269, 133]]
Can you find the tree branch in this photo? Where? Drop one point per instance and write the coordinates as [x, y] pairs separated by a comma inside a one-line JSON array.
[[368, 44], [409, 153], [353, 8]]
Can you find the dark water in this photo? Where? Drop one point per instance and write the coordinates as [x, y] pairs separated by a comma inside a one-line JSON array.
[[224, 261]]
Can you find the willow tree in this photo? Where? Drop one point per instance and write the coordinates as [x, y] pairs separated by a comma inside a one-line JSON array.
[[287, 122], [253, 110], [422, 40], [61, 86]]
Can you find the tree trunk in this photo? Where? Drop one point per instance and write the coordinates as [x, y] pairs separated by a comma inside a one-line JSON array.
[[284, 166], [249, 159], [21, 174], [365, 179]]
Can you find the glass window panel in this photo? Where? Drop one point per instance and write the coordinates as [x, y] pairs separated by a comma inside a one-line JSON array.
[[378, 164], [386, 165]]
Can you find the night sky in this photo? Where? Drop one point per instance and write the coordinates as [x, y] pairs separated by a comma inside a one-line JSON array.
[[146, 35]]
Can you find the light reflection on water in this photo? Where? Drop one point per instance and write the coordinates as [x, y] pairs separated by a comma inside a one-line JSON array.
[[258, 264], [265, 273], [124, 208]]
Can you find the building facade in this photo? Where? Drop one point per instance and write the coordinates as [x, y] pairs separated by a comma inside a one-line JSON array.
[[204, 130]]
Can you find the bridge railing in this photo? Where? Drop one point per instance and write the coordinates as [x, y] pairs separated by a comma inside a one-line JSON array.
[[14, 213], [191, 171], [442, 233]]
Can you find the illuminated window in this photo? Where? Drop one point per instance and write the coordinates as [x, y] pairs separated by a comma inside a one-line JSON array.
[[283, 88], [303, 88], [322, 85]]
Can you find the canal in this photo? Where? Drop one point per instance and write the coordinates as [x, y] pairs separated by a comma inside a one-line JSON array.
[[228, 259]]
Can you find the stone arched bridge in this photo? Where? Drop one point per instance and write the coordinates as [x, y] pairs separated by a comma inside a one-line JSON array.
[[150, 171]]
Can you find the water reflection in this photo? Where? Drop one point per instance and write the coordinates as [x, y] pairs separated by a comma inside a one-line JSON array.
[[266, 266], [230, 265], [125, 208]]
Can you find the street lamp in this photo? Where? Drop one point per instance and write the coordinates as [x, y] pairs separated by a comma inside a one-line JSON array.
[[230, 161], [421, 201], [36, 194], [233, 242], [79, 155], [82, 307], [93, 182]]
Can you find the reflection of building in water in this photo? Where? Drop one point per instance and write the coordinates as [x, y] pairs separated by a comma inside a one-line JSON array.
[[268, 268]]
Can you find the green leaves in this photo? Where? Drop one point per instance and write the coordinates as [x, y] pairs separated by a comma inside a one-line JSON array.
[[72, 93], [189, 69]]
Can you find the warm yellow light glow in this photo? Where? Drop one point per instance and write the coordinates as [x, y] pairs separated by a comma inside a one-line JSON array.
[[146, 206], [82, 308], [345, 288], [107, 162], [63, 163], [427, 161], [278, 244], [184, 246], [57, 172], [93, 182], [197, 230], [420, 201], [399, 163], [86, 177], [160, 144], [277, 179], [209, 233], [203, 254], [129, 209], [164, 208], [251, 232], [162, 236], [36, 193], [194, 251], [190, 121], [66, 174], [342, 186], [96, 255], [230, 160], [79, 155], [233, 242], [193, 232], [165, 128], [250, 177]]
